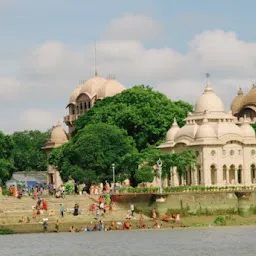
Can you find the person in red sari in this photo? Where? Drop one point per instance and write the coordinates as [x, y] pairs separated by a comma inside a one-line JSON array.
[[45, 205]]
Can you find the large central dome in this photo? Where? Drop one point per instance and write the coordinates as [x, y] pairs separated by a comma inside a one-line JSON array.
[[209, 101]]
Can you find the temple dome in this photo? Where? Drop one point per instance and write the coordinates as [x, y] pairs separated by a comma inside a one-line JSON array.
[[209, 101], [74, 94], [250, 98], [237, 102], [92, 86], [247, 130], [205, 131], [110, 88], [172, 131], [58, 135], [228, 128], [188, 130]]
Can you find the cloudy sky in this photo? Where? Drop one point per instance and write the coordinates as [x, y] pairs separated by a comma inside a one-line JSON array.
[[47, 47]]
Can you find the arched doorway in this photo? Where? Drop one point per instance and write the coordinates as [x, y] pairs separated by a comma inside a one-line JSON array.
[[253, 168], [232, 174], [225, 176], [239, 174], [213, 174]]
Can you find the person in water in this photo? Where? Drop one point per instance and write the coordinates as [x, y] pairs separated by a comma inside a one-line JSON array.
[[72, 229]]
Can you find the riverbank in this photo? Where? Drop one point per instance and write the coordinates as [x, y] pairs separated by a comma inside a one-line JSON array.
[[186, 222]]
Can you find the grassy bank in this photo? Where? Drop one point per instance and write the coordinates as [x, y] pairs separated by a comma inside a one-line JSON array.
[[202, 221]]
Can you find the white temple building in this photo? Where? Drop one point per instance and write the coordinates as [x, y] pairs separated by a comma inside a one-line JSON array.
[[225, 148]]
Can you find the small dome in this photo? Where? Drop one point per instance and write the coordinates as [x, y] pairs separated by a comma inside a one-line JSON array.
[[228, 127], [209, 101], [237, 102], [172, 131], [92, 85], [74, 94], [188, 130], [110, 88], [59, 135], [247, 130], [250, 98], [205, 131]]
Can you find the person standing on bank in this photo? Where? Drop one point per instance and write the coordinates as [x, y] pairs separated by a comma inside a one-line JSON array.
[[62, 210], [132, 209]]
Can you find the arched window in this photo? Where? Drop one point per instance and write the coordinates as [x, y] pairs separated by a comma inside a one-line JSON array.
[[213, 174], [224, 169], [253, 173], [85, 105], [89, 105]]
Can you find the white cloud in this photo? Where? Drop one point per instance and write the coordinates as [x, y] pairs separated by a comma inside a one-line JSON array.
[[134, 27], [52, 71], [9, 88], [38, 119]]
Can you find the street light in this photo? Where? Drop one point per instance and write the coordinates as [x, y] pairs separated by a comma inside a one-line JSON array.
[[159, 164], [113, 168]]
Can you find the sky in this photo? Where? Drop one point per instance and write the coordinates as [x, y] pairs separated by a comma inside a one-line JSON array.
[[47, 47]]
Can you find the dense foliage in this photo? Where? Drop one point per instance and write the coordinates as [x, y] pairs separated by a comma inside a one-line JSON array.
[[21, 151], [144, 174], [89, 155], [27, 153], [123, 129], [145, 114]]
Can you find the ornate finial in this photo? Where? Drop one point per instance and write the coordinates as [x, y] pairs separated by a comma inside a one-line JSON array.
[[58, 123], [111, 77], [240, 91], [208, 86], [174, 122], [95, 60]]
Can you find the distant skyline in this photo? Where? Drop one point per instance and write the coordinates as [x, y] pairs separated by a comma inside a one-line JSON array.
[[48, 46]]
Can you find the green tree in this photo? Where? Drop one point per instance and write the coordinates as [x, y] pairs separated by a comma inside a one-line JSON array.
[[182, 160], [27, 152], [6, 160], [90, 153], [144, 174], [145, 114], [6, 169]]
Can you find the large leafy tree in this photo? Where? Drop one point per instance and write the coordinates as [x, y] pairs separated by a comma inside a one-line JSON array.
[[91, 152], [27, 153], [182, 160], [145, 114], [6, 160]]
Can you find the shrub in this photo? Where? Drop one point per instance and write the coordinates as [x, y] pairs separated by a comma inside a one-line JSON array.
[[220, 221], [69, 187], [6, 231]]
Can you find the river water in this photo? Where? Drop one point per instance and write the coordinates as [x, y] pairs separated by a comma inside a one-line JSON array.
[[228, 241]]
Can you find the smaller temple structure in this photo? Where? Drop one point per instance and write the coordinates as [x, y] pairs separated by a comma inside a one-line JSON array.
[[58, 138], [225, 148], [245, 104]]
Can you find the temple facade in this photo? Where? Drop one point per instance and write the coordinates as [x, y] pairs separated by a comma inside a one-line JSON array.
[[225, 148]]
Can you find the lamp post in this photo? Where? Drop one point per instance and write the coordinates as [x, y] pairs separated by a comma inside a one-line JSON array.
[[159, 164], [114, 178]]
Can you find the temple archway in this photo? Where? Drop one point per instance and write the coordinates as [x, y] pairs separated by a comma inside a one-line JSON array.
[[224, 171], [240, 174], [232, 174], [213, 174], [253, 169]]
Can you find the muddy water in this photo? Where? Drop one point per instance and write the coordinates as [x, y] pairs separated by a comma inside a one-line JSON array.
[[228, 241]]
